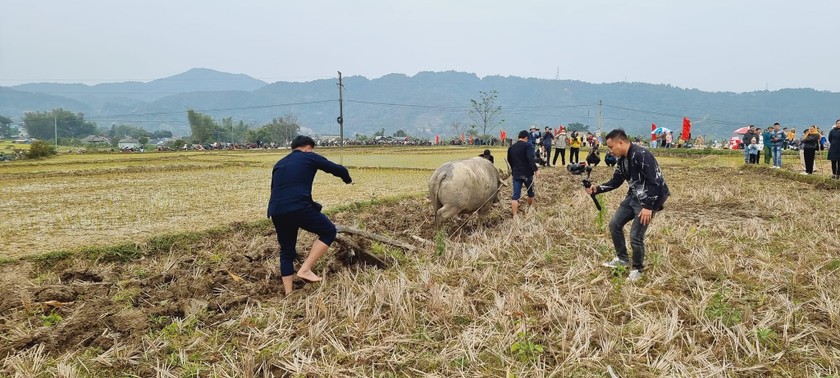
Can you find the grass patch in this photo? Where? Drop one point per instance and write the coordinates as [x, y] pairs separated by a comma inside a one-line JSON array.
[[51, 319], [51, 259]]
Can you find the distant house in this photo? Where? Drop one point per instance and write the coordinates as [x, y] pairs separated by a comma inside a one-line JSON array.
[[128, 143], [97, 140]]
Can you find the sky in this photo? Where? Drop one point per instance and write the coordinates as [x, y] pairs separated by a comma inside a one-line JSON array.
[[711, 45]]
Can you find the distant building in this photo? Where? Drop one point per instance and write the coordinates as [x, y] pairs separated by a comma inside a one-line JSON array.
[[128, 143], [96, 140]]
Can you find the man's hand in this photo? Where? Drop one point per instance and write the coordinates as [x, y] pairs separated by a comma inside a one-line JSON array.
[[592, 190], [537, 174], [644, 216]]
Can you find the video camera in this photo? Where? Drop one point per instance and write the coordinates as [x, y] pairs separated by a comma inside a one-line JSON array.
[[579, 169]]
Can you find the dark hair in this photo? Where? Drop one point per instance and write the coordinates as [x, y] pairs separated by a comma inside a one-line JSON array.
[[776, 124], [617, 134], [302, 140], [486, 153], [523, 134]]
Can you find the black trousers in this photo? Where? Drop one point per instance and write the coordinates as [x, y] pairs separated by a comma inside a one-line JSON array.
[[287, 226], [562, 153], [835, 167], [809, 159], [573, 155]]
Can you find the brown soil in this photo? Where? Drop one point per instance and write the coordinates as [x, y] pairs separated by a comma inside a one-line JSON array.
[[100, 304]]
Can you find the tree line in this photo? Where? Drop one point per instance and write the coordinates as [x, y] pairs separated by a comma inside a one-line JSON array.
[[485, 117]]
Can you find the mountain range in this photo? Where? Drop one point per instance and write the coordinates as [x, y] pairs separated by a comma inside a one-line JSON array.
[[424, 105]]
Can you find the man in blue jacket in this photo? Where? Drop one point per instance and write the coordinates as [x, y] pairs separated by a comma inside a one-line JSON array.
[[646, 194], [778, 140], [291, 207]]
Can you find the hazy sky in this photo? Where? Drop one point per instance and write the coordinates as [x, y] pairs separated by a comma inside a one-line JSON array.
[[714, 45]]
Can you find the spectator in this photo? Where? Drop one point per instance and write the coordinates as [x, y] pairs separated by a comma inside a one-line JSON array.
[[746, 140], [609, 159], [560, 147], [488, 156], [834, 150], [791, 137], [810, 143], [823, 140], [669, 139], [547, 138], [594, 157], [574, 147], [752, 149], [533, 136], [765, 142], [778, 140]]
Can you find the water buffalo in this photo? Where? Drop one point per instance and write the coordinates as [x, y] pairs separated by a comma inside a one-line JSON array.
[[464, 186]]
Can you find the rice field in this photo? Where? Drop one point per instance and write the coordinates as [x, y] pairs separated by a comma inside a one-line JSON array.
[[77, 200], [741, 278]]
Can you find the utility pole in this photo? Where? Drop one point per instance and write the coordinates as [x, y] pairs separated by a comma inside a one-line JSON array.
[[55, 125], [599, 117], [340, 118]]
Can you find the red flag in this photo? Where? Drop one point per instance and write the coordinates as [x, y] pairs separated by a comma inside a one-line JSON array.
[[471, 139], [462, 137], [686, 133], [437, 139], [652, 128]]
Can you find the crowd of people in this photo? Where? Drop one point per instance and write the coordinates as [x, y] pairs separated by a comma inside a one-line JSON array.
[[773, 140]]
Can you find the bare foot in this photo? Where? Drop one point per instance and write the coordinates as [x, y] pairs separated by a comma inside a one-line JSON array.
[[308, 276]]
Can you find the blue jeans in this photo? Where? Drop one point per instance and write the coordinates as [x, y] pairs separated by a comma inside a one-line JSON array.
[[627, 211], [517, 187], [746, 154], [777, 155]]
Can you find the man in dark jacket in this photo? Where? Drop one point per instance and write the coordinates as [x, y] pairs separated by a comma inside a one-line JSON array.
[[834, 150], [523, 168], [291, 207], [747, 139], [646, 194], [547, 139]]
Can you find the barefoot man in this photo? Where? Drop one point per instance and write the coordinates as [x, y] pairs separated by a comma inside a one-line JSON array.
[[291, 208]]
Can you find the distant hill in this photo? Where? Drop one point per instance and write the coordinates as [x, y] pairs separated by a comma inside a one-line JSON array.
[[425, 104], [194, 80], [16, 103]]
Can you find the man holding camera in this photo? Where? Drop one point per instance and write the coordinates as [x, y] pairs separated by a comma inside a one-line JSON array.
[[646, 194]]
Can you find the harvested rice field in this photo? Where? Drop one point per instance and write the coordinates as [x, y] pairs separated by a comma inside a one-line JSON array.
[[742, 272]]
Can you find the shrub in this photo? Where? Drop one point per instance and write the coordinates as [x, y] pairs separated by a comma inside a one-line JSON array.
[[40, 149]]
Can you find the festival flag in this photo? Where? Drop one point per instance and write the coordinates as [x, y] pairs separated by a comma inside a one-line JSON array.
[[471, 139], [462, 137], [686, 132], [652, 134], [437, 139]]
